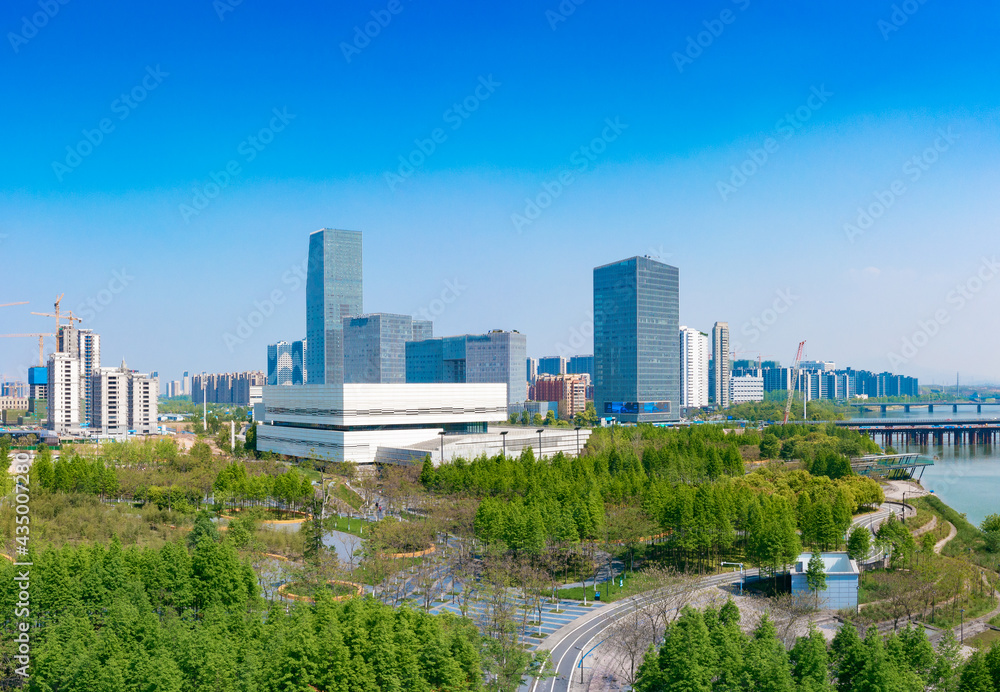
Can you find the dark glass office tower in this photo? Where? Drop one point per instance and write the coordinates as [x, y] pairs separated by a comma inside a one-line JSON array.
[[637, 341], [333, 292]]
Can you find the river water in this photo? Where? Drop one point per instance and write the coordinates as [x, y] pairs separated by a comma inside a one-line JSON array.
[[965, 477]]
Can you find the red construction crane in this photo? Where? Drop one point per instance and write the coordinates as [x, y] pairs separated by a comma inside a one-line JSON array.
[[792, 379]]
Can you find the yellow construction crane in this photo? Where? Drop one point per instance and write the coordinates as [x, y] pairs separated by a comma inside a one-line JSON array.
[[58, 315], [7, 305], [41, 343]]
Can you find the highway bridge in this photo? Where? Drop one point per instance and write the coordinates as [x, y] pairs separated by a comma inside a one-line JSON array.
[[938, 431], [929, 405]]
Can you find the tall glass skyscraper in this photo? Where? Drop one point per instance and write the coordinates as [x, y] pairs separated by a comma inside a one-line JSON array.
[[333, 292], [637, 341]]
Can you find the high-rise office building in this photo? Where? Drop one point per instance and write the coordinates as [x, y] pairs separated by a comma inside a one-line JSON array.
[[720, 364], [694, 368], [581, 365], [552, 365], [439, 360], [333, 292], [531, 369], [375, 348], [423, 329], [279, 364], [300, 352], [496, 357], [637, 341]]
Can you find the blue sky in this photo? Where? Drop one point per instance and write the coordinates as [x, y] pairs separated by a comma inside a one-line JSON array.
[[823, 107]]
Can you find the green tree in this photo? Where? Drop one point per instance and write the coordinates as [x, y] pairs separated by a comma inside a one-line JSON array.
[[427, 475], [976, 675], [848, 657], [767, 661], [769, 447], [204, 527], [991, 532], [810, 663], [816, 575], [859, 543]]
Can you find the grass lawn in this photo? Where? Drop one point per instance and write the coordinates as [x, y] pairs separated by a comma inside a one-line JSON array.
[[633, 585], [342, 492], [984, 640], [310, 592], [353, 525]]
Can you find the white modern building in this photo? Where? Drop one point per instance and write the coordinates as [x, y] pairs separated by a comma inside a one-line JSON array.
[[124, 402], [64, 393], [720, 364], [694, 368], [364, 423], [746, 388]]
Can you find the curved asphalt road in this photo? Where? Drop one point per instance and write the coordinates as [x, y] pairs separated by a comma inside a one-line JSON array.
[[572, 641]]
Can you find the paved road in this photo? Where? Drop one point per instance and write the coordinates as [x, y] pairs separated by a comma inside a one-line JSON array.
[[572, 641]]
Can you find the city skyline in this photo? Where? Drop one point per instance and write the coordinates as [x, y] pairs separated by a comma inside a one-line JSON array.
[[723, 158]]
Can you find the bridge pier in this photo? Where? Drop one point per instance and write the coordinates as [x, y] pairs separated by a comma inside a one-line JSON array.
[[883, 407], [979, 408], [930, 408], [906, 408], [954, 408]]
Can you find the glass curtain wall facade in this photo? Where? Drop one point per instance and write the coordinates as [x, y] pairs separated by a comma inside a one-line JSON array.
[[333, 292], [637, 341], [299, 351], [498, 357], [375, 348], [279, 364]]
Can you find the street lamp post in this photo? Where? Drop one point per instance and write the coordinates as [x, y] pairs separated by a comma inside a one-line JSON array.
[[540, 431], [743, 577], [503, 436], [442, 433], [577, 440], [962, 611]]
